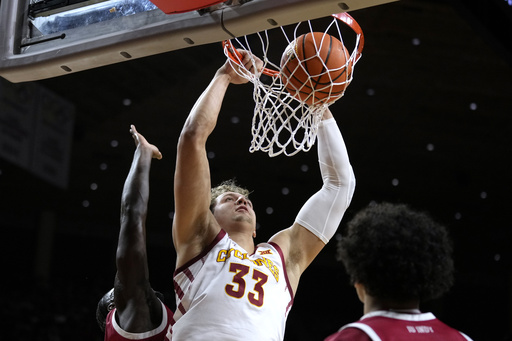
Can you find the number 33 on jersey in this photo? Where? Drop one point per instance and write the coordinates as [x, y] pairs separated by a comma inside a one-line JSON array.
[[251, 288]]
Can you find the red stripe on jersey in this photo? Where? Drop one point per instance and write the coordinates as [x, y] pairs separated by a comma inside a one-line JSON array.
[[278, 248], [182, 309], [189, 274]]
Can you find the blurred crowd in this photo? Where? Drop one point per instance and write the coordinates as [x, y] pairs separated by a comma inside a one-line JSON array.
[[61, 310]]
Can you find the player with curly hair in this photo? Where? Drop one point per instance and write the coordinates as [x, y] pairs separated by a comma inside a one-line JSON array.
[[396, 258]]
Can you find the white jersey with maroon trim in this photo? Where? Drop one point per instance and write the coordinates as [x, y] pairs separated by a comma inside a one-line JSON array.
[[227, 294]]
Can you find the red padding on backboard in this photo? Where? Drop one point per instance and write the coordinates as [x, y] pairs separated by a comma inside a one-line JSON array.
[[182, 6]]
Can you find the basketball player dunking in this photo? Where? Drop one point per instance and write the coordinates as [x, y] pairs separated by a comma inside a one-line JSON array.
[[226, 286]]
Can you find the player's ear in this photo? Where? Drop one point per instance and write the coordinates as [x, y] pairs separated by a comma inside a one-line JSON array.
[[361, 291], [254, 234]]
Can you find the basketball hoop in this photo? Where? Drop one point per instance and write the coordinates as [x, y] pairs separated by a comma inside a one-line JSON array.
[[287, 113]]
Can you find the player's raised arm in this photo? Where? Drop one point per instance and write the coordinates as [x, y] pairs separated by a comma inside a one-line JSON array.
[[136, 303], [321, 215], [194, 226]]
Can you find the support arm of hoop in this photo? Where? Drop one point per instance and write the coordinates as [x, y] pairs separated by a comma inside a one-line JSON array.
[[323, 212]]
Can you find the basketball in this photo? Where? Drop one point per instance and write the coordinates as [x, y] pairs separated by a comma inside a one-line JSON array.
[[314, 68]]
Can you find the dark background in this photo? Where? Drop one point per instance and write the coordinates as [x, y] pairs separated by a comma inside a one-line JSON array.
[[430, 106]]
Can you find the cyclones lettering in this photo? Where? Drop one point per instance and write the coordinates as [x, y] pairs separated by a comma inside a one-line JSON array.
[[224, 255]]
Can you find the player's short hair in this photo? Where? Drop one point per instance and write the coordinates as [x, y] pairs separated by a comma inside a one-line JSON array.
[[226, 186], [105, 305], [397, 253]]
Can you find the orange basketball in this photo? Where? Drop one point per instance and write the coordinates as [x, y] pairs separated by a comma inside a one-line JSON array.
[[314, 68]]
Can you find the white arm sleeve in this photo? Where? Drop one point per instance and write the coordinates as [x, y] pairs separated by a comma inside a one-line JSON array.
[[322, 213]]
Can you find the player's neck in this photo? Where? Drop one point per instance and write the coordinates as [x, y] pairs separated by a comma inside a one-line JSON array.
[[244, 239], [374, 304]]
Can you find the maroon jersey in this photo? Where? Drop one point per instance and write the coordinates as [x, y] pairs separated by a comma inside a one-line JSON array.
[[113, 331], [387, 325]]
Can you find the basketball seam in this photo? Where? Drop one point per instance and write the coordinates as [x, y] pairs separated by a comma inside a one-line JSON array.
[[312, 88]]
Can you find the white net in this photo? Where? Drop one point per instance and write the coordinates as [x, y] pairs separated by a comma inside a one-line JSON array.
[[290, 100]]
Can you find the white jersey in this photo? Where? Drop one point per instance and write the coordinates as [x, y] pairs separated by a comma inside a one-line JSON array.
[[227, 294]]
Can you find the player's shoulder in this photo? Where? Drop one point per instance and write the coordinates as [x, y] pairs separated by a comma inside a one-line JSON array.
[[349, 332]]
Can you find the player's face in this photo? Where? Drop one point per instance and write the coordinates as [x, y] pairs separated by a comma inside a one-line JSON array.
[[234, 207]]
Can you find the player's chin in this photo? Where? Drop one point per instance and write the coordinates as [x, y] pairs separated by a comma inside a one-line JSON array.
[[244, 217]]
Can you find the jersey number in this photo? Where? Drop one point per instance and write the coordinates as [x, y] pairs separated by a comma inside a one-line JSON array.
[[238, 291]]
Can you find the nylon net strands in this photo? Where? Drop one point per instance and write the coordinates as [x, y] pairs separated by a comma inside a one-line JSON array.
[[296, 85]]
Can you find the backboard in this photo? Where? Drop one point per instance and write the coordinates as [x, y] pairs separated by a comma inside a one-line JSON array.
[[42, 39]]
